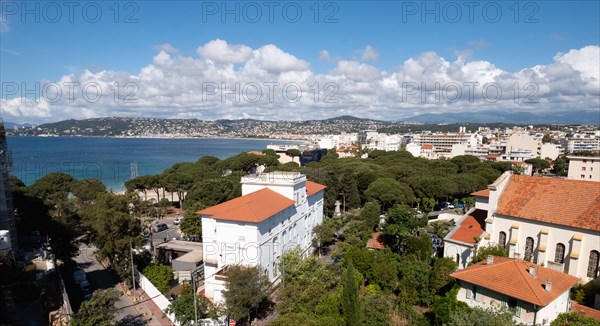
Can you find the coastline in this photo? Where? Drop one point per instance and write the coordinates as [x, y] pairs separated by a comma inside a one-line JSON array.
[[159, 137]]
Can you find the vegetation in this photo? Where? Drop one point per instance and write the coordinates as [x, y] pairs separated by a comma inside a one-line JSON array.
[[246, 290], [99, 310], [159, 275], [574, 319], [483, 252], [183, 307]]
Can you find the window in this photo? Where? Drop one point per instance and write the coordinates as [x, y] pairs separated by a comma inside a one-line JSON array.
[[593, 264], [469, 292], [528, 248], [502, 239], [583, 168], [514, 305], [583, 176], [559, 253]]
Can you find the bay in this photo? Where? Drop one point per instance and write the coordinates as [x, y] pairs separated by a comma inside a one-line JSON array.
[[112, 160]]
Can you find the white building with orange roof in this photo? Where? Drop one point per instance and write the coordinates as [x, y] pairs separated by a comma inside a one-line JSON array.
[[552, 222], [536, 294], [276, 212]]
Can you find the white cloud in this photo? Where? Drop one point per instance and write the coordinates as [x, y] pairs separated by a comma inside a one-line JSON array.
[[221, 52], [370, 54], [167, 47], [173, 85]]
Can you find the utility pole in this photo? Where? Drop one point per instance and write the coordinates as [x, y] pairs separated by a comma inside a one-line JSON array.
[[132, 272], [195, 304]]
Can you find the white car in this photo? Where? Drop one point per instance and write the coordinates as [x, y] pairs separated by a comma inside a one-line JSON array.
[[177, 220]]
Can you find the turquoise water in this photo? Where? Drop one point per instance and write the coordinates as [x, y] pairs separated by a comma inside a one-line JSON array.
[[110, 159]]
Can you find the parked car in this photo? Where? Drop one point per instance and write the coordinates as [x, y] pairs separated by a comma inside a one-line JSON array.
[[177, 220], [160, 227]]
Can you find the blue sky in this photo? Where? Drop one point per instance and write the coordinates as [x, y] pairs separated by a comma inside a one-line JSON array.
[[379, 35]]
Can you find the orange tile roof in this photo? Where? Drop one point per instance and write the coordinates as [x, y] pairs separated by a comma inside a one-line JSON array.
[[586, 311], [427, 146], [256, 153], [374, 242], [481, 193], [511, 277], [254, 207], [313, 187], [558, 201], [472, 226]]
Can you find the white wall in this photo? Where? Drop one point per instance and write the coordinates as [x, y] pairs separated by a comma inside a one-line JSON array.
[[159, 299], [584, 168], [260, 244]]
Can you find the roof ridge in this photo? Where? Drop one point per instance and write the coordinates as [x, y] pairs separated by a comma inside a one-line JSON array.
[[528, 278]]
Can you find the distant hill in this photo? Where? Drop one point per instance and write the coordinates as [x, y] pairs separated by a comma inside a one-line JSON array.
[[156, 127], [567, 117]]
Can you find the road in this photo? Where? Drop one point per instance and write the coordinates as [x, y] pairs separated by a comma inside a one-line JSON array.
[[101, 278], [168, 234]]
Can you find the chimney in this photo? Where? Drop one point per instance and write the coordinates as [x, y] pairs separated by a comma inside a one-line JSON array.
[[548, 286], [533, 271], [490, 259]]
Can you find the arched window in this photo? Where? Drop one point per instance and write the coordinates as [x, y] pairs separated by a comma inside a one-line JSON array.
[[502, 239], [593, 264], [559, 253], [528, 248]]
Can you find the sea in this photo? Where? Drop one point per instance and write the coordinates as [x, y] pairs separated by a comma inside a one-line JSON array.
[[116, 160]]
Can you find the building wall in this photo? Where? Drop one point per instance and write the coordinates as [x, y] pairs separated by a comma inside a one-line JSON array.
[[523, 141], [459, 252], [485, 298], [584, 168], [260, 244], [545, 244]]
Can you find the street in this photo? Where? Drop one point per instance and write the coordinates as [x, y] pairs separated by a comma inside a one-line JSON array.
[[101, 278]]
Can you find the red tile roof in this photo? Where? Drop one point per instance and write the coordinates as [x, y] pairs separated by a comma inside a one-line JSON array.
[[374, 242], [511, 277], [427, 146], [586, 311], [481, 193], [254, 207], [558, 201], [313, 187], [256, 153], [472, 226]]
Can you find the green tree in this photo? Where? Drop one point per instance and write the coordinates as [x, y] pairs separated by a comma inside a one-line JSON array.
[[159, 275], [547, 138], [191, 224], [440, 273], [561, 166], [573, 319], [481, 317], [389, 192], [538, 164], [444, 307], [377, 310], [292, 152], [370, 214], [246, 290], [350, 304], [183, 307], [86, 189], [52, 183], [482, 253], [100, 310]]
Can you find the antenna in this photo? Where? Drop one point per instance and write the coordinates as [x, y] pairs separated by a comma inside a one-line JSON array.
[[134, 169]]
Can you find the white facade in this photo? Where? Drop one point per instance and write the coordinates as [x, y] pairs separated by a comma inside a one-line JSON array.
[[584, 168], [551, 151], [524, 312], [523, 141], [231, 242]]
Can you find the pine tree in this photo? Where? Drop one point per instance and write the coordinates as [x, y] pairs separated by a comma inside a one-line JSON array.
[[350, 304]]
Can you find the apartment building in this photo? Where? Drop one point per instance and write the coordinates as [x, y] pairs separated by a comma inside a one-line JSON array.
[[276, 212], [584, 168]]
